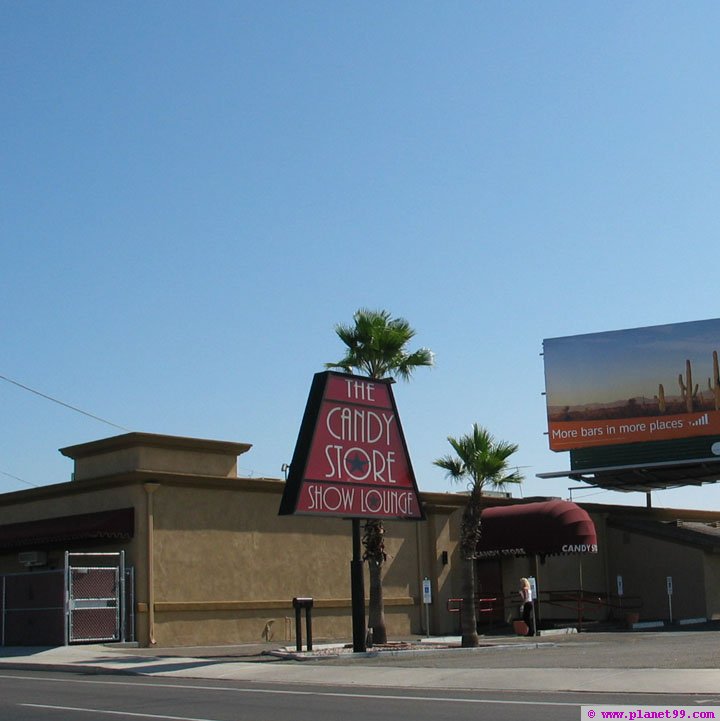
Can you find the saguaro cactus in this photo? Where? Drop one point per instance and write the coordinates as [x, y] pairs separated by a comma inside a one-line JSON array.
[[714, 382], [686, 387], [660, 397]]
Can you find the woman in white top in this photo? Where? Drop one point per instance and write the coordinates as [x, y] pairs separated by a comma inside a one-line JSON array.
[[527, 605]]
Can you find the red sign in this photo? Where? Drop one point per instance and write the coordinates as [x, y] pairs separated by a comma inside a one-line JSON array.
[[351, 459]]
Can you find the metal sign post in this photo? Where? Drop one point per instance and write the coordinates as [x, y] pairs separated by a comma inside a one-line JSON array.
[[357, 590], [670, 593], [427, 600]]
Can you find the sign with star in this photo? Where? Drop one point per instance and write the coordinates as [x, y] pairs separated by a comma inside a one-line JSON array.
[[350, 459]]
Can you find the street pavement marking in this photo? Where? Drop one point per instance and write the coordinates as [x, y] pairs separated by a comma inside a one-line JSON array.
[[113, 713]]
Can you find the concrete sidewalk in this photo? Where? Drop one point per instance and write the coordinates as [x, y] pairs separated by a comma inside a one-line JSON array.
[[420, 668]]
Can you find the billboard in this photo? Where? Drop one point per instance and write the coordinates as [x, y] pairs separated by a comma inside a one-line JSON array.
[[350, 459], [656, 383]]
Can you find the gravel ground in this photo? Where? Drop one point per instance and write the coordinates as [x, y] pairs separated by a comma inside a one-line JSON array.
[[595, 650]]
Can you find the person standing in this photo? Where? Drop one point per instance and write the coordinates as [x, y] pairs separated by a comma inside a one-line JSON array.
[[528, 610]]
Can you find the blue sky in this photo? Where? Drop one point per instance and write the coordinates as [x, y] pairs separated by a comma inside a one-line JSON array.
[[192, 194]]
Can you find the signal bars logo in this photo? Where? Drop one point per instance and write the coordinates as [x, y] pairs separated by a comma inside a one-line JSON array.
[[704, 420]]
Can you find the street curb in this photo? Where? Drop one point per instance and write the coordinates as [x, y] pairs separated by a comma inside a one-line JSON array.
[[66, 668], [405, 652]]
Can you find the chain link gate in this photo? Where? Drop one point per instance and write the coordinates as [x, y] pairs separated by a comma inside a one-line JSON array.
[[91, 600], [96, 598]]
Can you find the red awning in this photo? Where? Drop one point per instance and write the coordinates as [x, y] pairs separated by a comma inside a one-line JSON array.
[[550, 527], [116, 524]]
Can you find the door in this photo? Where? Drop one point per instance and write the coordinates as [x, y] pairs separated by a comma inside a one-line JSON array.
[[490, 598]]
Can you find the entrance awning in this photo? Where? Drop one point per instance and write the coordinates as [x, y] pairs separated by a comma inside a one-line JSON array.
[[546, 528]]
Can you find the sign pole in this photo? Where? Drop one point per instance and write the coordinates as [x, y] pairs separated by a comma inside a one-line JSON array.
[[357, 587], [427, 600], [534, 582]]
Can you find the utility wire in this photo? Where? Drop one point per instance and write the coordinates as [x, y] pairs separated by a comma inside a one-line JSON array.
[[22, 480], [65, 405], [596, 493]]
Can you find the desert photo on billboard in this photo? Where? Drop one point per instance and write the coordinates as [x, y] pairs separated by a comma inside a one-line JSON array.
[[642, 384]]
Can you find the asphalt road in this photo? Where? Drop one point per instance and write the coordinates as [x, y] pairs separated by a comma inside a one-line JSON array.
[[47, 696]]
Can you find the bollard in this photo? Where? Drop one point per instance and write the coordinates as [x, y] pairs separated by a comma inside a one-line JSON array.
[[299, 604]]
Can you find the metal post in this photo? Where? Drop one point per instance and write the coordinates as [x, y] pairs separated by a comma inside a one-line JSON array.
[[299, 604], [66, 599], [357, 586], [427, 600], [581, 599], [131, 604], [536, 602], [308, 626], [298, 628], [2, 620], [121, 600]]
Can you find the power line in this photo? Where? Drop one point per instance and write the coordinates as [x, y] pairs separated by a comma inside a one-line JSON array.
[[588, 495], [22, 480], [65, 405]]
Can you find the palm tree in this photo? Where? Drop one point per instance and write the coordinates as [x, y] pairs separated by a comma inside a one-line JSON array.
[[377, 347], [480, 461]]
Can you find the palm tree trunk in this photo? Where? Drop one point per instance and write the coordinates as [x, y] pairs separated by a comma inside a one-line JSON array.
[[469, 537], [467, 611], [375, 556], [376, 610]]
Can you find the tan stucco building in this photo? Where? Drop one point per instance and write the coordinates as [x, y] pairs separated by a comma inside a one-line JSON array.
[[214, 563]]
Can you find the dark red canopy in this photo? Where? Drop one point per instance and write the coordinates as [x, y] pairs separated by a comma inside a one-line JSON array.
[[112, 525], [550, 527]]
